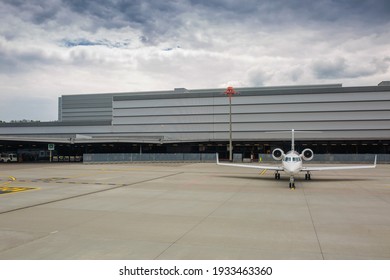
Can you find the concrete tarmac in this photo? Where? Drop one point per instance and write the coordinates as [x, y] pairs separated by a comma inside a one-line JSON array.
[[191, 211]]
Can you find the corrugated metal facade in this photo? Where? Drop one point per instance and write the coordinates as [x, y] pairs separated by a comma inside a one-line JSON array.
[[340, 113], [85, 107]]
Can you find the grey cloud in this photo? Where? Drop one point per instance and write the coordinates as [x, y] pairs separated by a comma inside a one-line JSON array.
[[366, 11], [295, 74], [20, 61], [78, 42], [37, 12], [160, 21], [329, 69], [282, 11], [257, 77], [7, 63], [154, 19], [155, 14], [69, 43], [341, 68]]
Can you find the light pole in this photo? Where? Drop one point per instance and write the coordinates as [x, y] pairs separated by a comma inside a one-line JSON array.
[[230, 92]]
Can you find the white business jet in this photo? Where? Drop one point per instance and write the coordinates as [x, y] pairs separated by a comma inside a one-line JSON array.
[[292, 163]]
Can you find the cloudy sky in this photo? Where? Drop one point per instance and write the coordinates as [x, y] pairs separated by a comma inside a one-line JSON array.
[[54, 47]]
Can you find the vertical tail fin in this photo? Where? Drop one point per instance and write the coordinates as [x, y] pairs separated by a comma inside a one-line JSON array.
[[292, 140]]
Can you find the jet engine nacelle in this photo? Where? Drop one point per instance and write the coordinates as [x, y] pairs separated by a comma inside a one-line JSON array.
[[307, 154], [278, 154]]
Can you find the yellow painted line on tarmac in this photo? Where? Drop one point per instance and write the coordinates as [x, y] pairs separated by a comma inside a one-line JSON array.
[[10, 180], [8, 190], [5, 184], [263, 172]]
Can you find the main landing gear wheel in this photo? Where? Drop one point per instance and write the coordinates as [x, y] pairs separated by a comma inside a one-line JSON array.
[[277, 176], [308, 176]]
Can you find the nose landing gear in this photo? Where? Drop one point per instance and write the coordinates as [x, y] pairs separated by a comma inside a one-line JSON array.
[[292, 180], [292, 183]]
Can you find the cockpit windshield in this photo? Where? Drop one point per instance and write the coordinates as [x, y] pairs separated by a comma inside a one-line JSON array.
[[294, 159]]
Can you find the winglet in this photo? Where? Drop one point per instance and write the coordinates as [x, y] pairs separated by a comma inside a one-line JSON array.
[[375, 160], [216, 156]]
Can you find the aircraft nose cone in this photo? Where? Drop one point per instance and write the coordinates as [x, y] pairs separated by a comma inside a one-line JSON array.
[[291, 169]]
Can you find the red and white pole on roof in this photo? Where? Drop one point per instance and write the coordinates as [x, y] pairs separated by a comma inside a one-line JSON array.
[[230, 92]]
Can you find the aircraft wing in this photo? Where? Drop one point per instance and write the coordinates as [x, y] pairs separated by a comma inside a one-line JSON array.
[[269, 167], [321, 168]]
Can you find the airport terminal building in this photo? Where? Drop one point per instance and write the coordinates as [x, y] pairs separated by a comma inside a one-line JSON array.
[[332, 118]]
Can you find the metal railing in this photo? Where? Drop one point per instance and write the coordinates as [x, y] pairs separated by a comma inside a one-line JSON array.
[[136, 157]]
